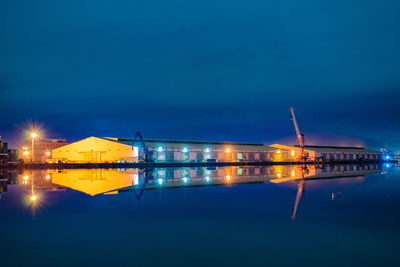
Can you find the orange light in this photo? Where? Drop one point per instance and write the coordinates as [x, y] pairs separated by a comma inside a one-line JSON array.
[[279, 175], [47, 153], [34, 135], [26, 153], [228, 150], [228, 177], [26, 177], [292, 152], [293, 173], [33, 197], [48, 176], [278, 151]]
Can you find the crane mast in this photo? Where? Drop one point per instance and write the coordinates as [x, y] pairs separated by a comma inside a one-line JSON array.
[[300, 136]]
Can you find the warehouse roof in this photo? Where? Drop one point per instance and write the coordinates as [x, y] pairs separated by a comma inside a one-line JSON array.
[[129, 140], [195, 144], [338, 149]]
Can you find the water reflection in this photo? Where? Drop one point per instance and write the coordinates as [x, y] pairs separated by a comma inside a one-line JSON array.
[[114, 181]]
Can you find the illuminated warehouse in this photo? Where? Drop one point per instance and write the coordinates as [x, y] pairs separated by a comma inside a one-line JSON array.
[[107, 149], [327, 153]]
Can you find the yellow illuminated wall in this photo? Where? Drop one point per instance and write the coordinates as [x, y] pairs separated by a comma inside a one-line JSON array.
[[95, 150], [95, 181], [293, 152]]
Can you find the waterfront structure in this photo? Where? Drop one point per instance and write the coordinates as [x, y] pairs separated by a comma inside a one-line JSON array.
[[107, 149], [333, 153], [40, 150], [3, 152], [125, 150]]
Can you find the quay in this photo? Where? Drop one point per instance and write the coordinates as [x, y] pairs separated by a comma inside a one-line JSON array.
[[151, 165]]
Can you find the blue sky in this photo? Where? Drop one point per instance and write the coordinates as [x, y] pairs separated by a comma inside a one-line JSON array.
[[208, 70]]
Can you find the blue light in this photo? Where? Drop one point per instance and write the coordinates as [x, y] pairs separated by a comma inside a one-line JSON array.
[[387, 165], [207, 178], [387, 157], [160, 181], [185, 149], [160, 149], [207, 150], [185, 179]]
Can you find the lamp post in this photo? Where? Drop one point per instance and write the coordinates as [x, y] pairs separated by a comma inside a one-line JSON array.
[[33, 136]]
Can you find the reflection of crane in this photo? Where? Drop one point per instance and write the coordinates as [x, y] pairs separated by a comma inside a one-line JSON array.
[[143, 154], [300, 190], [144, 175], [300, 136]]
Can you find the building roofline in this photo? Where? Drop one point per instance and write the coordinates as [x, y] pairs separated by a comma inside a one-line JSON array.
[[182, 141]]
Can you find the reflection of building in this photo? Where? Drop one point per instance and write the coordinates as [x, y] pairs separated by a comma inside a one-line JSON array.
[[110, 181], [95, 181], [42, 149], [334, 153]]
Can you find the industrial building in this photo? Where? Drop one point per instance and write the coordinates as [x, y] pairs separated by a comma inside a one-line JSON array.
[[41, 150], [106, 149], [125, 150], [333, 153]]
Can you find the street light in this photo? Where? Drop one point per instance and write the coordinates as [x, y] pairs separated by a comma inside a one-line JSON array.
[[33, 136]]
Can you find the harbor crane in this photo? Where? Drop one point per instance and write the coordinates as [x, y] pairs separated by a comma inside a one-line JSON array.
[[143, 152], [300, 137]]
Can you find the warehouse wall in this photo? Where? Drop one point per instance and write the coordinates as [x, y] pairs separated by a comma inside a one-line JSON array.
[[95, 150]]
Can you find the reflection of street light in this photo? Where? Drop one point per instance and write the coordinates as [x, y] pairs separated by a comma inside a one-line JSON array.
[[33, 136]]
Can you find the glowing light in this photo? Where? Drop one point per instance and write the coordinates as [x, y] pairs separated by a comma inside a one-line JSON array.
[[160, 149], [185, 149], [48, 176], [207, 150], [228, 178], [47, 153], [228, 150], [293, 173], [387, 165], [25, 182], [278, 151], [26, 177], [185, 179], [160, 181], [292, 153], [33, 197], [207, 178], [34, 135], [279, 175], [26, 153], [387, 157]]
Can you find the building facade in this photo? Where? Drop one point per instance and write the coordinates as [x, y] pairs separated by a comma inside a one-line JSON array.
[[42, 149], [121, 150], [333, 153], [125, 150]]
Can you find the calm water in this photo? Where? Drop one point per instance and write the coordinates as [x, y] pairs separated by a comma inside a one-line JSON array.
[[345, 215]]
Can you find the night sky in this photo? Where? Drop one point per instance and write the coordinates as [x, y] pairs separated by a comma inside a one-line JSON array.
[[202, 70]]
